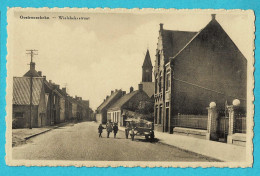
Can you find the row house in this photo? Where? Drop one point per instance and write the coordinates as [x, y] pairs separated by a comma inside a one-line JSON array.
[[50, 104], [193, 69]]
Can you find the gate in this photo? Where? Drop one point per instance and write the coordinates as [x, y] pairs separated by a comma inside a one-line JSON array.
[[223, 124]]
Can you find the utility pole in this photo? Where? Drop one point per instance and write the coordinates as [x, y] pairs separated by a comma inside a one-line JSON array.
[[31, 53]]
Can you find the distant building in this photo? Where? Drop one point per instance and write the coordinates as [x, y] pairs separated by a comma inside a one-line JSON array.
[[193, 69], [101, 113], [133, 101]]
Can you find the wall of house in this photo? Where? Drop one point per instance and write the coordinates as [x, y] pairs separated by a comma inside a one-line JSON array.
[[115, 117], [159, 73], [211, 61], [42, 110], [23, 122], [74, 110], [62, 109], [99, 118]]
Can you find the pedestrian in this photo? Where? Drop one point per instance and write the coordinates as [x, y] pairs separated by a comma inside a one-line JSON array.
[[109, 128], [127, 129], [100, 130], [115, 129]]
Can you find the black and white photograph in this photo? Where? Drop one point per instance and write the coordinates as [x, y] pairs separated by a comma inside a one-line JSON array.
[[130, 87]]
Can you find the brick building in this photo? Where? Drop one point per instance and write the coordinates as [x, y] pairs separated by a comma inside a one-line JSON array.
[[101, 113], [193, 69]]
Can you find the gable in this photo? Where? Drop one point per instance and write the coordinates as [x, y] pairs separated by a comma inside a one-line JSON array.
[[212, 61]]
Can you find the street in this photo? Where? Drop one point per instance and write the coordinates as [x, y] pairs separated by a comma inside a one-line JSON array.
[[81, 142]]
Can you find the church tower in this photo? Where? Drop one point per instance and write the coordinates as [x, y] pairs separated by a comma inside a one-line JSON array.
[[147, 68]]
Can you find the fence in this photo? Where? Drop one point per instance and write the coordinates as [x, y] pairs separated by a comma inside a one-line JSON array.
[[240, 124], [191, 121]]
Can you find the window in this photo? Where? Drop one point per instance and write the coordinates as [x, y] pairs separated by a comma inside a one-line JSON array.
[[159, 58], [160, 83], [118, 116], [168, 81]]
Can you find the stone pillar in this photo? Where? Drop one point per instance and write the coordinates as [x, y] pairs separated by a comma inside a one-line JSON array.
[[212, 122], [231, 122]]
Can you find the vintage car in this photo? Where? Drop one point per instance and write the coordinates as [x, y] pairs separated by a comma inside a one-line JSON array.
[[139, 127]]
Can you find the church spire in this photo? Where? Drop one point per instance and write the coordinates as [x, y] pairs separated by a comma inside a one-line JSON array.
[[147, 68], [147, 60]]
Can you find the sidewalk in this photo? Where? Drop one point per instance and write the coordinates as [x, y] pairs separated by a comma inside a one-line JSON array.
[[221, 151], [19, 136]]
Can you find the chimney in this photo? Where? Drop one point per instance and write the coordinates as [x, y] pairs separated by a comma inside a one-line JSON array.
[[140, 87], [107, 97], [124, 92], [64, 90], [104, 99], [40, 73], [112, 92], [213, 16], [50, 81], [44, 77], [32, 65], [131, 89], [161, 26]]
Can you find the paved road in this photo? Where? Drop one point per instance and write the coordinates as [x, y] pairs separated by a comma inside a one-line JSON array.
[[80, 142]]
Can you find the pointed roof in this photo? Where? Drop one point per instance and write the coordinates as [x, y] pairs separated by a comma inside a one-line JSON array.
[[112, 97], [123, 100], [34, 73], [147, 60], [209, 29], [21, 90]]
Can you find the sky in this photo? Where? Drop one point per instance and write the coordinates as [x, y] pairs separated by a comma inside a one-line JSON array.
[[106, 52]]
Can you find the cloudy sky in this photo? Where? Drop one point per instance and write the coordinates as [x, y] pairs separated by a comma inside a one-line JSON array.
[[106, 52]]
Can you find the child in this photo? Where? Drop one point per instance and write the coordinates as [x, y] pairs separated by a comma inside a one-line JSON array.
[[100, 130]]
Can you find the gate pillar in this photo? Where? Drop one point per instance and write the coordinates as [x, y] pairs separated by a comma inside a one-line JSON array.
[[231, 112], [212, 122]]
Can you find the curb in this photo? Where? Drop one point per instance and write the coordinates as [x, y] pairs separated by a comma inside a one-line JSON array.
[[26, 138], [186, 150]]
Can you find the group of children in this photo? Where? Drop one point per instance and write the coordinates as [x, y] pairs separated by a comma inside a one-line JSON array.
[[110, 127]]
